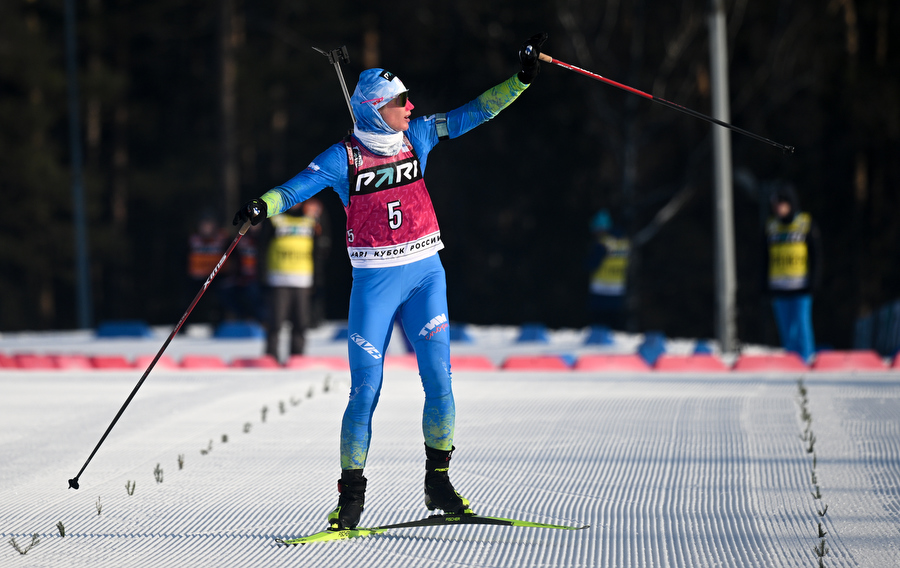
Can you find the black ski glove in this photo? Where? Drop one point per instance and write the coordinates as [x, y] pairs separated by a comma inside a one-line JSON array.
[[528, 55], [254, 211]]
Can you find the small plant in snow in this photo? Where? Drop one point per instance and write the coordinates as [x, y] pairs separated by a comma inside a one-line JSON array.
[[247, 426], [224, 438], [807, 432], [264, 411], [129, 487], [61, 528], [295, 401], [327, 386], [807, 436], [310, 392], [804, 401], [821, 551], [98, 506], [180, 461], [281, 408], [34, 542], [207, 449], [158, 473]]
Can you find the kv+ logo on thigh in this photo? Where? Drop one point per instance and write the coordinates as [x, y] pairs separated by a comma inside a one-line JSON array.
[[366, 346]]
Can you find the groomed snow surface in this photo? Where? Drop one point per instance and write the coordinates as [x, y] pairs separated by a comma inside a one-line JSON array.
[[669, 469]]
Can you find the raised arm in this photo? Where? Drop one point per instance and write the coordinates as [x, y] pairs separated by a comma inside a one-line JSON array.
[[489, 104]]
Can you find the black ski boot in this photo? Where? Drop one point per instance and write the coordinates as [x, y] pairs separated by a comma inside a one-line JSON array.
[[352, 487], [439, 492]]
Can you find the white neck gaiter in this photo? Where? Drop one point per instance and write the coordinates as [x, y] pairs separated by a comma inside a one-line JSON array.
[[382, 144]]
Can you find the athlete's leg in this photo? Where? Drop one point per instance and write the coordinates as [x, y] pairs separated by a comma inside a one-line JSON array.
[[424, 317], [279, 302], [806, 342], [374, 298], [781, 309], [299, 319], [793, 325]]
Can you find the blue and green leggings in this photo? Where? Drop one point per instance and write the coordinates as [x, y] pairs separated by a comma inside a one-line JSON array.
[[416, 294]]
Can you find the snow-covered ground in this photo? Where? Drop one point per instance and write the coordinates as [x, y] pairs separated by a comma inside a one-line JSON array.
[[669, 469]]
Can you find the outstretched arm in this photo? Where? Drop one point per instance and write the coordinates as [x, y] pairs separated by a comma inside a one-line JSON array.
[[329, 169], [485, 107], [491, 102]]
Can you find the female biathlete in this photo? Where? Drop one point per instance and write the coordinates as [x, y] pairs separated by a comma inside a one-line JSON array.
[[393, 239]]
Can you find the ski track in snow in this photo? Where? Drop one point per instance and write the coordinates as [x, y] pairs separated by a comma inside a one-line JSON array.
[[670, 470]]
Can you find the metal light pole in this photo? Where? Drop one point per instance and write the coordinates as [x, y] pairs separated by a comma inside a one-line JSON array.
[[83, 284], [726, 280]]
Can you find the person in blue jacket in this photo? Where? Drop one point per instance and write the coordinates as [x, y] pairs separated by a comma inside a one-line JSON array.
[[392, 240]]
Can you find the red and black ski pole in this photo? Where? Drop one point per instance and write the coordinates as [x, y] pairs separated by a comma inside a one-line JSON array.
[[664, 102], [73, 483]]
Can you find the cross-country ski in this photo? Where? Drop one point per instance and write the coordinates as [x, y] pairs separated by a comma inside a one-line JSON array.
[[431, 521]]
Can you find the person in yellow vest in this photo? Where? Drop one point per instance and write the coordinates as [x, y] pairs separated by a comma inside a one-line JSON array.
[[290, 272], [792, 265], [608, 266]]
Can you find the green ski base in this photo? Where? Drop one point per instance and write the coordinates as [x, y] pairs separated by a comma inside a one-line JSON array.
[[432, 521], [331, 534]]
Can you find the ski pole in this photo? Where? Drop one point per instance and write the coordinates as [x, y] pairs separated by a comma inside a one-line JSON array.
[[73, 483], [664, 102], [335, 56]]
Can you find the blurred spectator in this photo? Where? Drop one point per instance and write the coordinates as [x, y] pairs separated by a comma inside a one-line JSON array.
[[290, 266], [313, 209], [608, 266], [792, 266], [205, 248], [240, 287]]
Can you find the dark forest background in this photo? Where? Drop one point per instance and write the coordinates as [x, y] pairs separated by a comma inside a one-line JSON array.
[[202, 105]]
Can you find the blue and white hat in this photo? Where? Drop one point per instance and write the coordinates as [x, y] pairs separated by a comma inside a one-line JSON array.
[[376, 88]]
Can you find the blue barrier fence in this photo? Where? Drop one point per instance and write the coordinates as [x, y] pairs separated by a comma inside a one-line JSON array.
[[880, 330]]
